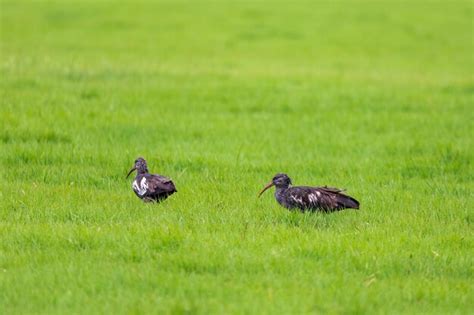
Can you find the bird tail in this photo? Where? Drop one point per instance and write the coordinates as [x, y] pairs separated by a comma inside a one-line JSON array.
[[344, 201]]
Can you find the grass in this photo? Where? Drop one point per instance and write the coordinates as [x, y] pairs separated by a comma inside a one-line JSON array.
[[375, 97]]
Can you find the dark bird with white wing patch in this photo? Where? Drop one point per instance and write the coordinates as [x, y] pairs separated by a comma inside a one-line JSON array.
[[326, 199], [150, 187]]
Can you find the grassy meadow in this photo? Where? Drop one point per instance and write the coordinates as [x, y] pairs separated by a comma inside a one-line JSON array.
[[375, 97]]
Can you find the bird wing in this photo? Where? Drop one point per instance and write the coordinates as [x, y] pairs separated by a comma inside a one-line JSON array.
[[335, 198], [330, 189], [308, 198], [160, 184], [324, 198]]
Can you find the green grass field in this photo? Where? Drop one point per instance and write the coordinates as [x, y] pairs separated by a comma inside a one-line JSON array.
[[375, 97]]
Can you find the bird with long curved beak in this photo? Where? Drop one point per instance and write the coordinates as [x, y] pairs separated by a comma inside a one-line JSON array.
[[325, 198], [150, 187], [267, 186]]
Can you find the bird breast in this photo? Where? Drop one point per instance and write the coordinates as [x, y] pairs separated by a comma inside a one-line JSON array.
[[140, 187]]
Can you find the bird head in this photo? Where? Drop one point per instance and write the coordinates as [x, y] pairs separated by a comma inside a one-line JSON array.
[[279, 180], [140, 166]]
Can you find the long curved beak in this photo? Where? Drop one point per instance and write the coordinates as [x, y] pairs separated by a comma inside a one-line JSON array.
[[134, 168], [270, 184]]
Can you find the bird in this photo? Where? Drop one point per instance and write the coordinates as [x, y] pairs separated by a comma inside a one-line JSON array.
[[150, 187], [324, 199]]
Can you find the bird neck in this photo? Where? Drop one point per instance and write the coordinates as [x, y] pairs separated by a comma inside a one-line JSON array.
[[142, 171], [280, 189], [280, 194]]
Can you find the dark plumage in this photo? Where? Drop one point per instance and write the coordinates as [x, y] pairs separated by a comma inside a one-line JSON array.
[[150, 187], [325, 198]]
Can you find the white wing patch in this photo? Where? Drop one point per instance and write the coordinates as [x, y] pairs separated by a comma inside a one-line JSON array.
[[142, 188], [298, 200], [313, 198]]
